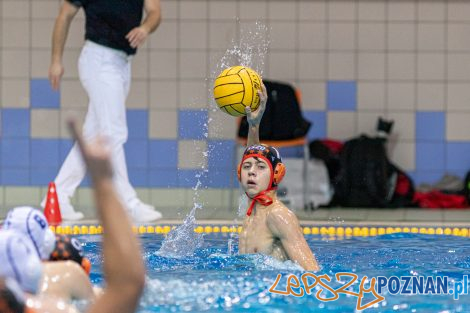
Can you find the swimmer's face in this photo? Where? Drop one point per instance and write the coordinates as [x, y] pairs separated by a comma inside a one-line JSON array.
[[255, 176]]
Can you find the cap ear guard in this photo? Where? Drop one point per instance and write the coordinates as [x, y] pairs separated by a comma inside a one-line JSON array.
[[48, 245], [86, 265], [31, 275], [279, 173], [26, 265], [239, 171]]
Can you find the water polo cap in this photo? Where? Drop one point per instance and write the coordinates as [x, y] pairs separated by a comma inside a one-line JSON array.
[[19, 260], [272, 157], [33, 224], [69, 248]]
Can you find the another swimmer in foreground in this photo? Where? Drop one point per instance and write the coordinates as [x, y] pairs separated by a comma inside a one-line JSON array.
[[63, 279], [123, 268], [66, 275], [269, 227], [20, 263]]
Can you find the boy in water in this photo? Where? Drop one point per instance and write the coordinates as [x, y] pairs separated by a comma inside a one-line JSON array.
[[269, 227]]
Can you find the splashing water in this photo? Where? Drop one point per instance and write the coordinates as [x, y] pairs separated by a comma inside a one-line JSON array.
[[242, 203], [183, 241], [250, 51]]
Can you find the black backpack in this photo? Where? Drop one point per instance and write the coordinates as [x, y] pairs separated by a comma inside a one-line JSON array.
[[282, 119], [366, 177]]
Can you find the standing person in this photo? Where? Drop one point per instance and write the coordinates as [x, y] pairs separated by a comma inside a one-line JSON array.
[[114, 31]]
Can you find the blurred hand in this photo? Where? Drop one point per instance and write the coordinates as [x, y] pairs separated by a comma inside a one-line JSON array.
[[56, 70], [137, 36], [96, 155], [254, 118]]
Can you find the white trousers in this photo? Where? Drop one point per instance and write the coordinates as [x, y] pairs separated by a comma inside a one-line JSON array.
[[105, 75]]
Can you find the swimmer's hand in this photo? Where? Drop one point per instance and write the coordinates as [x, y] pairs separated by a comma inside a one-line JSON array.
[[254, 118], [96, 155]]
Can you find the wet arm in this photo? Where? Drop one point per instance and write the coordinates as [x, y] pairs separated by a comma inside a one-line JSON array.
[[285, 226], [254, 118], [253, 135], [123, 266]]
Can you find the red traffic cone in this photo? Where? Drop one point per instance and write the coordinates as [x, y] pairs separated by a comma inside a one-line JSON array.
[[52, 208]]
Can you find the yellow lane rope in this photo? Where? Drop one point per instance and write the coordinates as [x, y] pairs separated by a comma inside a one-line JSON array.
[[335, 231]]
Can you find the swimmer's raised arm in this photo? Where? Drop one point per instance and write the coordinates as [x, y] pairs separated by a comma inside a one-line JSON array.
[[123, 266], [285, 226], [254, 118]]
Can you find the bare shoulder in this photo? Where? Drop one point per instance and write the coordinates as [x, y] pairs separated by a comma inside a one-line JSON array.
[[280, 212], [66, 268], [281, 218]]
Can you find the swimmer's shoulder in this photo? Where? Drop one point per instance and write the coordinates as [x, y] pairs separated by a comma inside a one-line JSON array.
[[279, 210], [280, 217], [54, 267]]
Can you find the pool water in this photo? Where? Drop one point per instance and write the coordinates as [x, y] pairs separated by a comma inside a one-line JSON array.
[[211, 280]]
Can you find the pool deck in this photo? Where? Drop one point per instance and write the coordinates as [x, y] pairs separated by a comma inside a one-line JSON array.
[[333, 217]]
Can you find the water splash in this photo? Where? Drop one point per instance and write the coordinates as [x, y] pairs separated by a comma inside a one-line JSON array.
[[232, 280], [250, 51], [183, 241], [242, 203]]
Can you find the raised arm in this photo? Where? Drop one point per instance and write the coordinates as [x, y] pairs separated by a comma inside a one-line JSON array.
[[59, 36], [123, 266], [152, 19], [254, 118], [285, 225]]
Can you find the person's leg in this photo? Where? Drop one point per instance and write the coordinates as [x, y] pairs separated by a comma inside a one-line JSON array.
[[111, 93], [121, 177], [73, 169]]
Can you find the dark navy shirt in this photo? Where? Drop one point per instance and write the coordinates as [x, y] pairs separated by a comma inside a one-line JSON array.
[[109, 21]]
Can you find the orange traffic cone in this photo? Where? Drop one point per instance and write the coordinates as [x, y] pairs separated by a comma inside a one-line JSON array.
[[52, 208]]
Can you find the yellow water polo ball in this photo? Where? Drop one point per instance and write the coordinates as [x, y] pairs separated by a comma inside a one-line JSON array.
[[236, 88]]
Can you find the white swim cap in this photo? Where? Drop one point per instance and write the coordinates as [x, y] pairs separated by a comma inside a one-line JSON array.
[[19, 260], [33, 224]]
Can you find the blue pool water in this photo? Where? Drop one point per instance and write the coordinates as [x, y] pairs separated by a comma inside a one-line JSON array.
[[211, 280]]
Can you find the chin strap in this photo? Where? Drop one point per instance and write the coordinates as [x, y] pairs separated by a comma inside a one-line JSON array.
[[261, 198]]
